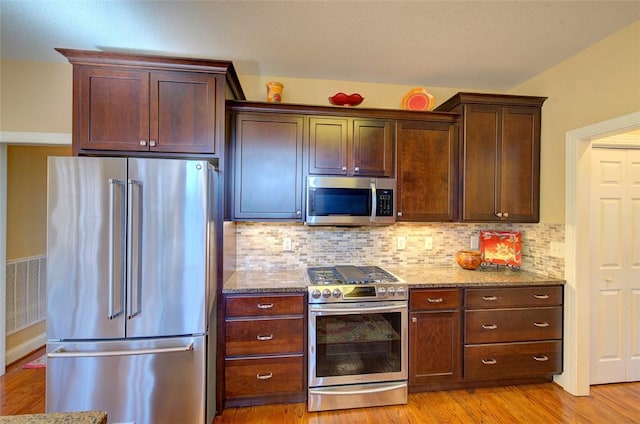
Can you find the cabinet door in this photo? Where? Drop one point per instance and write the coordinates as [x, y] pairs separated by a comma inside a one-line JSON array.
[[480, 162], [372, 148], [182, 112], [426, 171], [268, 167], [520, 161], [434, 347], [328, 139], [111, 109]]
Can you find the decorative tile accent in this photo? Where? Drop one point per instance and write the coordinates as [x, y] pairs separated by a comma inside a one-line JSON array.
[[260, 245], [26, 299]]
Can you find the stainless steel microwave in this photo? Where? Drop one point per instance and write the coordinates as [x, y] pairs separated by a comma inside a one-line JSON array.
[[351, 201]]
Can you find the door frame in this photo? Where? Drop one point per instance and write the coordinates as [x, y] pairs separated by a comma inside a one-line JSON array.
[[6, 138], [579, 142]]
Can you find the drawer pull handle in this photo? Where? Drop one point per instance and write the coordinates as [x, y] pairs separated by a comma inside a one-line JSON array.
[[542, 358], [490, 298], [435, 300], [541, 296], [489, 361], [264, 376], [265, 305], [489, 326], [541, 324], [265, 338]]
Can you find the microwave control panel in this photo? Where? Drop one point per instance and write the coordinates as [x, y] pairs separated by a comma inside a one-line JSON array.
[[384, 202]]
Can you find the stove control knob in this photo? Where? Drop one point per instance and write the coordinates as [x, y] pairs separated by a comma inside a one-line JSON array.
[[337, 292], [316, 294], [326, 293], [382, 291], [391, 291], [401, 291]]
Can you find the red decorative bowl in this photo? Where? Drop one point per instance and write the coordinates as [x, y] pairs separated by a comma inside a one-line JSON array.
[[341, 99]]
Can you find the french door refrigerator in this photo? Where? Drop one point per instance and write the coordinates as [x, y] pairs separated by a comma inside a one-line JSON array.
[[131, 289]]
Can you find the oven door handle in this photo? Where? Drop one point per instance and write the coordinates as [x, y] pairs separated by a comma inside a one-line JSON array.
[[333, 392], [357, 309]]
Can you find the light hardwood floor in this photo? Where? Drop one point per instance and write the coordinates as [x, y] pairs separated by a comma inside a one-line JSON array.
[[22, 392]]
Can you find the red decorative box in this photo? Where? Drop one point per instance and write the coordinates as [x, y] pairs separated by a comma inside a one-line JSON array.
[[501, 247]]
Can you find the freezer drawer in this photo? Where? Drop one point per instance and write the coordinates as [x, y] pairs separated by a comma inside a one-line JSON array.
[[151, 381]]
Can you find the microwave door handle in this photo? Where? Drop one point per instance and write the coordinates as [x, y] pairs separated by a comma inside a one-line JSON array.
[[374, 202]]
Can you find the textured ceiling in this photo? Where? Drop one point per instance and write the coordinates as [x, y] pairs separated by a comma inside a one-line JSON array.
[[471, 44]]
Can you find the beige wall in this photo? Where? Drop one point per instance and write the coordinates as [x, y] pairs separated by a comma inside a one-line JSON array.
[[35, 97], [598, 84], [27, 199]]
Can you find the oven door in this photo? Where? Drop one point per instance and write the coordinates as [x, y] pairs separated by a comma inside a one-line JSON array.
[[355, 343]]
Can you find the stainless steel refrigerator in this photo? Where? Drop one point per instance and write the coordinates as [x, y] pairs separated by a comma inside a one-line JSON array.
[[131, 289]]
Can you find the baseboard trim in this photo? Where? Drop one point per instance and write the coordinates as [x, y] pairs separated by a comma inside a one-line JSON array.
[[26, 348]]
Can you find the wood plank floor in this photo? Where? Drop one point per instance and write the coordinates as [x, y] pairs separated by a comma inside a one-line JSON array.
[[22, 391]]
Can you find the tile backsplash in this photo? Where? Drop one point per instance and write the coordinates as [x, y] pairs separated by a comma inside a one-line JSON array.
[[263, 245]]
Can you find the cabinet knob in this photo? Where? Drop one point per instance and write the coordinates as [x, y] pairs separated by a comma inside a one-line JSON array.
[[414, 319], [399, 213], [435, 300], [542, 358], [489, 361], [152, 143], [264, 376], [489, 326], [506, 214], [344, 169], [298, 213], [356, 169], [143, 142], [499, 214]]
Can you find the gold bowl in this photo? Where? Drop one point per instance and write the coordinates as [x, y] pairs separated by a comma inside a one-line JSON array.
[[469, 259]]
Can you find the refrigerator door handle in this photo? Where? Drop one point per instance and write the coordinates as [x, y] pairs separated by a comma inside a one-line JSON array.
[[133, 270], [113, 183], [61, 353]]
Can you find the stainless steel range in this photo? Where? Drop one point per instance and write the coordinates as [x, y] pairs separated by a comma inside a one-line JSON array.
[[358, 344]]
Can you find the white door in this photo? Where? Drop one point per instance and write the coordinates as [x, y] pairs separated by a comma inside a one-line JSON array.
[[615, 266]]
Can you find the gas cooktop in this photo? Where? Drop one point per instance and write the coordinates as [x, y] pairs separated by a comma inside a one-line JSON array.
[[348, 283], [349, 274]]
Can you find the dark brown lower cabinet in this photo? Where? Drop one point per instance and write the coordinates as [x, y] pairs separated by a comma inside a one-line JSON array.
[[489, 336], [265, 358], [434, 339], [512, 332]]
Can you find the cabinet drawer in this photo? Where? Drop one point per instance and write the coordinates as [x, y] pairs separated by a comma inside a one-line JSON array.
[[507, 360], [243, 306], [254, 377], [511, 325], [434, 299], [513, 297], [264, 336]]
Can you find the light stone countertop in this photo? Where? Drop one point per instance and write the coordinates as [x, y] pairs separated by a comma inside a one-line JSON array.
[[415, 276]]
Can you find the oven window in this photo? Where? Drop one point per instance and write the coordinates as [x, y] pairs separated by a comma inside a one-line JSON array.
[[341, 201], [357, 344]]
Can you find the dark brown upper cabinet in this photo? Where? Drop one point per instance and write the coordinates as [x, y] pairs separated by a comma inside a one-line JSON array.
[[499, 156], [267, 166], [131, 103], [426, 170], [350, 146]]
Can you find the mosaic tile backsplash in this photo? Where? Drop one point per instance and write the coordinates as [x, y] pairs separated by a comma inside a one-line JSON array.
[[261, 245]]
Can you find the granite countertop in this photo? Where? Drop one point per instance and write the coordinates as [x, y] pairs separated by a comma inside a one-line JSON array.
[[415, 276], [89, 417]]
